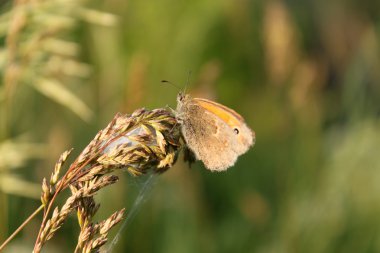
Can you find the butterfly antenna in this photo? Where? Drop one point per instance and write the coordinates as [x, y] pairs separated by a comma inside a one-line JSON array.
[[174, 85], [187, 81], [178, 87]]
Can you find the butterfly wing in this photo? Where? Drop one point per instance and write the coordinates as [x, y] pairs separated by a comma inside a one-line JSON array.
[[209, 137], [245, 136]]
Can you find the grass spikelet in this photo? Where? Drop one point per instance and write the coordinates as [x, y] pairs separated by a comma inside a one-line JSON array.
[[145, 140]]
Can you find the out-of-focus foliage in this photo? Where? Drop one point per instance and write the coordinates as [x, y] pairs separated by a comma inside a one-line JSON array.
[[304, 74]]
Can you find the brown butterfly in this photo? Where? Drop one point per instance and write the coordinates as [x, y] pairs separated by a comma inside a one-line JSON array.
[[216, 134]]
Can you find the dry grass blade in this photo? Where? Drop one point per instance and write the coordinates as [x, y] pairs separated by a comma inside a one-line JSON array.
[[38, 50], [14, 154], [12, 184], [59, 93]]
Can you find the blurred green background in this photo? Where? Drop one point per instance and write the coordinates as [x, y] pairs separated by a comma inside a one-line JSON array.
[[304, 74]]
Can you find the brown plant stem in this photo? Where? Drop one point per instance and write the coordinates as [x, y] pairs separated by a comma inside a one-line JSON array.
[[21, 227]]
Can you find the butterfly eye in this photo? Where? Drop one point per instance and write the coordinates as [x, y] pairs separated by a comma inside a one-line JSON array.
[[236, 131], [181, 97]]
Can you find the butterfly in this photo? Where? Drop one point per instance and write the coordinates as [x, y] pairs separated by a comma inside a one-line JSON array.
[[216, 134]]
